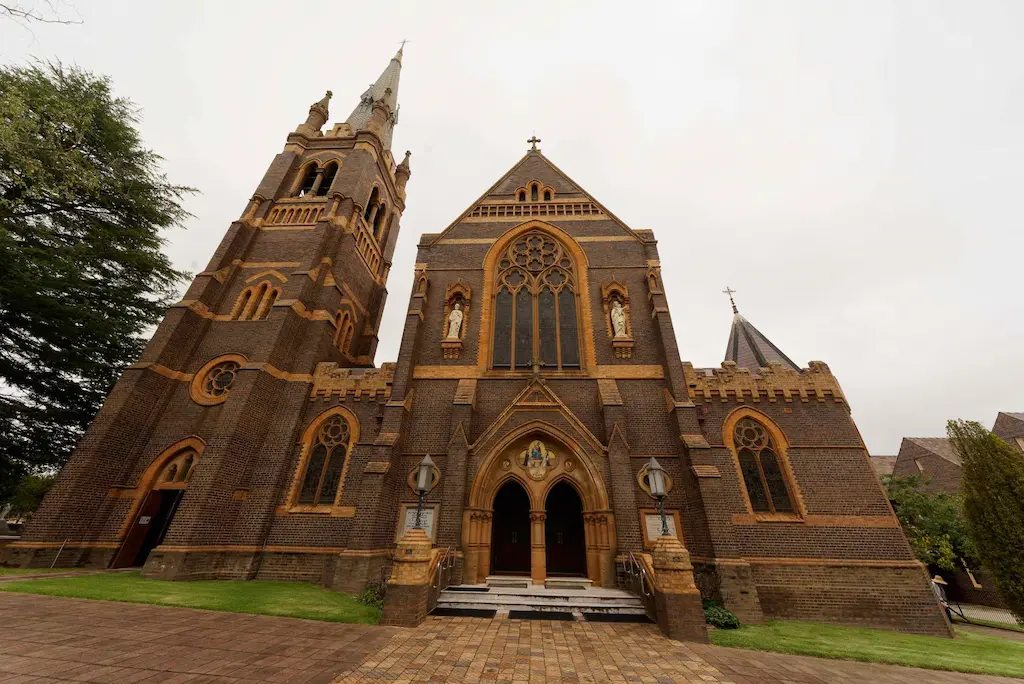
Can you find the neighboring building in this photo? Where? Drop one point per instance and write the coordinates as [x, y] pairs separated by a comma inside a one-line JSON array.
[[932, 457], [538, 368], [883, 465], [938, 462]]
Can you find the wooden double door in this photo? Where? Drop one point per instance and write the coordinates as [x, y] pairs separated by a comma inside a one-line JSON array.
[[563, 534]]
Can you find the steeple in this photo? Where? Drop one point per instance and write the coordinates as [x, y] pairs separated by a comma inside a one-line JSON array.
[[748, 347], [384, 91]]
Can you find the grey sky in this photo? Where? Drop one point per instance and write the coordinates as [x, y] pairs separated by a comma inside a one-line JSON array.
[[852, 169]]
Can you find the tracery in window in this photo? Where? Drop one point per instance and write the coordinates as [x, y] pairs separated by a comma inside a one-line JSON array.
[[325, 462], [212, 384], [762, 468], [344, 331], [176, 472], [327, 179], [254, 303], [535, 316]]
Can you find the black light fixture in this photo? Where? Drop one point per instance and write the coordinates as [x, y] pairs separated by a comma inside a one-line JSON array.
[[424, 475], [656, 480]]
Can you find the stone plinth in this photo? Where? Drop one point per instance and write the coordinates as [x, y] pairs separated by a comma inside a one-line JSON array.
[[409, 585], [679, 607]]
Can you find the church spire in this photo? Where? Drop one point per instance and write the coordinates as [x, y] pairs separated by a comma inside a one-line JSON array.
[[748, 346], [383, 91]]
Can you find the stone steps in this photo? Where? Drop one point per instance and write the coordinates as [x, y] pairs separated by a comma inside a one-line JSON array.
[[541, 599]]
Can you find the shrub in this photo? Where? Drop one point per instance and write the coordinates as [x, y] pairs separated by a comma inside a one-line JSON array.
[[373, 594], [719, 616]]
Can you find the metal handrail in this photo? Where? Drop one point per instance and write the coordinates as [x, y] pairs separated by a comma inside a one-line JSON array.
[[640, 582], [440, 575]]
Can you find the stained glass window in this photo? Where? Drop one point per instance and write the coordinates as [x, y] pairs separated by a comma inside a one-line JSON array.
[[535, 306], [326, 463], [765, 482]]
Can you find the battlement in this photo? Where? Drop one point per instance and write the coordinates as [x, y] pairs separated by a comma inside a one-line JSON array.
[[369, 383], [732, 382]]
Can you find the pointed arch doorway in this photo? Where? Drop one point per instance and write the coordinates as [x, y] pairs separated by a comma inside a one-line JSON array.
[[158, 496], [564, 535], [542, 485], [510, 532]]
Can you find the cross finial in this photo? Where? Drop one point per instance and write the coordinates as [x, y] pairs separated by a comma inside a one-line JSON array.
[[729, 291], [404, 41], [537, 365], [533, 141]]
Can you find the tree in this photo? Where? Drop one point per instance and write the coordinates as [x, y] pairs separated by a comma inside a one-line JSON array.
[[932, 522], [82, 206], [993, 501], [28, 494]]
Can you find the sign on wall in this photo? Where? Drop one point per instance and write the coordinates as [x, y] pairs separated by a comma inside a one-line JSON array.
[[426, 520]]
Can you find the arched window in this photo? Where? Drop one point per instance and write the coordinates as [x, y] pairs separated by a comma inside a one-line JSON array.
[[522, 195], [535, 306], [328, 178], [547, 195], [344, 331], [533, 192], [762, 467], [254, 303], [308, 179], [371, 204], [325, 462], [378, 222]]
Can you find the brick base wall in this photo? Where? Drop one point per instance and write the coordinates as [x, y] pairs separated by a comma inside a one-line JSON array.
[[350, 575], [201, 565], [20, 557], [406, 605], [896, 598]]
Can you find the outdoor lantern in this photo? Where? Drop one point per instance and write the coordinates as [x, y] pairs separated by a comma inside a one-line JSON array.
[[424, 475], [656, 481]]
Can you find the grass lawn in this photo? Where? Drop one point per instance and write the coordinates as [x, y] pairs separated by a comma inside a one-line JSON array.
[[967, 653], [4, 572], [289, 599]]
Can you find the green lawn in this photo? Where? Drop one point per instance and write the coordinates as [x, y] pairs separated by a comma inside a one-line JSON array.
[[967, 653], [34, 571], [289, 599]]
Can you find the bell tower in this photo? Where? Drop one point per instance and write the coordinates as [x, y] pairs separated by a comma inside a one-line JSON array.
[[300, 278]]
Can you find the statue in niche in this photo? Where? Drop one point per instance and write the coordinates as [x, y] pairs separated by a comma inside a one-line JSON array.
[[455, 322], [618, 315]]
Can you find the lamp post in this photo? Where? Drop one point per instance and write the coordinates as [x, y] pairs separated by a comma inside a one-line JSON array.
[[656, 480], [423, 478]]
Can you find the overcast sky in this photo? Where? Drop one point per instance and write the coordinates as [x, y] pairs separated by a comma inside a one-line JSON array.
[[852, 169]]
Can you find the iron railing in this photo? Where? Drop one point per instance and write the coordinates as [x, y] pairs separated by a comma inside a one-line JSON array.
[[639, 582], [440, 576]]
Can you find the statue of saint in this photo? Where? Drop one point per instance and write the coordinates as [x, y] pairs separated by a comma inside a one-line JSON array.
[[618, 319], [454, 322]]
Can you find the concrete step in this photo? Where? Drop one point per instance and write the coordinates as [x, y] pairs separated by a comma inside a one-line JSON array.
[[577, 598], [507, 581], [600, 608], [568, 583]]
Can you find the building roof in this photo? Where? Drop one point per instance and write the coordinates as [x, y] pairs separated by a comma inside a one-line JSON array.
[[940, 446], [883, 465], [386, 88], [749, 348]]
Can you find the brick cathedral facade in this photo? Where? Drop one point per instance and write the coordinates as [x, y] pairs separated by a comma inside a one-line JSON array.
[[538, 368]]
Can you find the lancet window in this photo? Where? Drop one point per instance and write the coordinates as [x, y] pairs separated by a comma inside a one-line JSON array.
[[535, 311], [254, 303]]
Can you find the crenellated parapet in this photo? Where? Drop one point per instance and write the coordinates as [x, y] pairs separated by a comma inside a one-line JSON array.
[[361, 383], [775, 382]]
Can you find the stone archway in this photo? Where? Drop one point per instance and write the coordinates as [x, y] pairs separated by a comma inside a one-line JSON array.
[[538, 457]]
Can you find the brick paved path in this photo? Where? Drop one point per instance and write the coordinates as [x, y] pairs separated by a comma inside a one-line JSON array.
[[47, 639]]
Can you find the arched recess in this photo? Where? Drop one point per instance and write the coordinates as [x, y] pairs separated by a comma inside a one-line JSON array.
[[778, 445], [490, 266], [156, 497], [567, 461]]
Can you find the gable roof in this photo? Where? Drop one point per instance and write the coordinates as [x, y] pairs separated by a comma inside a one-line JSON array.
[[940, 446], [533, 166]]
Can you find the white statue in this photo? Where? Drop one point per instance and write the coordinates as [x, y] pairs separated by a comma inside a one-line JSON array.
[[618, 319], [454, 322]]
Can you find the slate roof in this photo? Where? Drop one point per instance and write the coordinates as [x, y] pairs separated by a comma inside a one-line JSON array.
[[940, 446], [749, 348], [378, 90], [883, 465]]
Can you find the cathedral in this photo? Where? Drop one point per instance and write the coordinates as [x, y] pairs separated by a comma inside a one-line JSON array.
[[539, 371]]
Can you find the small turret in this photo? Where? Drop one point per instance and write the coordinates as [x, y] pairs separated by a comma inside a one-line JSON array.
[[318, 114], [402, 173]]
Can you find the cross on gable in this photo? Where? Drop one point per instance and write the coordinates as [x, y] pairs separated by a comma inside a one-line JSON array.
[[533, 141]]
